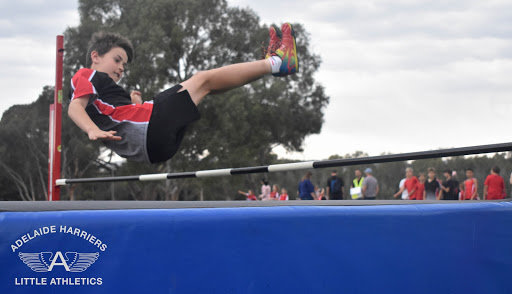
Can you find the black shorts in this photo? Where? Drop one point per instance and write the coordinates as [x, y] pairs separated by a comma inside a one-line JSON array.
[[172, 113]]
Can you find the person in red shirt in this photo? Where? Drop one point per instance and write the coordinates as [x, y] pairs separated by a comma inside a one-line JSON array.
[[470, 186], [249, 195], [284, 195], [411, 184], [274, 195], [421, 187], [494, 185]]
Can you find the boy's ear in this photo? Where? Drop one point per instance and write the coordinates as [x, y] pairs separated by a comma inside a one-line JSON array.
[[95, 56]]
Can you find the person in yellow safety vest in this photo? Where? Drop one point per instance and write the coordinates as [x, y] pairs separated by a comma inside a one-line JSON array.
[[357, 185]]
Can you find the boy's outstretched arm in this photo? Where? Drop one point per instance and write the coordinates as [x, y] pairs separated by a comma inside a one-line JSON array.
[[76, 112]]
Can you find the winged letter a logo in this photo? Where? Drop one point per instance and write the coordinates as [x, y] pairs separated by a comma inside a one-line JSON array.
[[45, 261]]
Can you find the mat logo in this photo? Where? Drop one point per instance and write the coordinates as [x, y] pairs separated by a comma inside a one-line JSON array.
[[46, 261]]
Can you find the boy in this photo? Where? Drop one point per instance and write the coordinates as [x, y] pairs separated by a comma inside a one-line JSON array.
[[420, 193], [432, 185], [470, 186], [449, 188], [494, 185], [152, 131], [410, 184]]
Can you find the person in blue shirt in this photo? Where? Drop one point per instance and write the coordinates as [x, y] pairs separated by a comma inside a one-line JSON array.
[[306, 188]]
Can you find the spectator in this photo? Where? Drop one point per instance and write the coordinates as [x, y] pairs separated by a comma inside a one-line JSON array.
[[284, 195], [320, 193], [449, 188], [274, 195], [357, 185], [410, 184], [470, 186], [405, 194], [265, 190], [432, 185], [494, 185], [420, 194], [510, 178], [306, 188], [335, 187], [249, 195], [370, 185], [461, 191]]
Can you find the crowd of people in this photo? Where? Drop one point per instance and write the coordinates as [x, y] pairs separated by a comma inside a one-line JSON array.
[[431, 188], [266, 193], [422, 187]]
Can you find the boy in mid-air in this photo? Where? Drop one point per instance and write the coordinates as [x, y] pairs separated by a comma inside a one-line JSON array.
[[152, 131]]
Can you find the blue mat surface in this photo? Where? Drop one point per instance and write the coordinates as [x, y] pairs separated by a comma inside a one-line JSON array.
[[417, 248]]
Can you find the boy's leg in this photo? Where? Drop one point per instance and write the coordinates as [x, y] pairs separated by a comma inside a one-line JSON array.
[[225, 78], [281, 62]]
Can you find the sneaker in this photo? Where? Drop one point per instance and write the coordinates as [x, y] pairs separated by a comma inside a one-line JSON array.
[[275, 41], [287, 52]]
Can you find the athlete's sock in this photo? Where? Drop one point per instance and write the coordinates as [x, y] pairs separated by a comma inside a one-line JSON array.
[[275, 63]]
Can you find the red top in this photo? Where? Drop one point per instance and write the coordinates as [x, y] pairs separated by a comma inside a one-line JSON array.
[[469, 189], [412, 184], [496, 187], [251, 197], [419, 191], [108, 98], [283, 197], [274, 195]]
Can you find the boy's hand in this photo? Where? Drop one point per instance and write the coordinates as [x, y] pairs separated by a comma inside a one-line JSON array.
[[103, 135], [136, 97]]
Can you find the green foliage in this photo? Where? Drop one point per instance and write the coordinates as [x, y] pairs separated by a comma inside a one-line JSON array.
[[175, 39], [24, 149]]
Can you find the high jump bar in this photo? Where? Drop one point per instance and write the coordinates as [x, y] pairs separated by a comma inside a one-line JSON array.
[[502, 147]]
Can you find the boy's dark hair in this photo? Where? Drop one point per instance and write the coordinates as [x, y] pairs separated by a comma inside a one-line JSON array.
[[449, 171], [431, 169], [103, 42], [496, 169], [469, 169]]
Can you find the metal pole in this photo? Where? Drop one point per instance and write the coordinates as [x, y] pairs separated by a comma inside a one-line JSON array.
[[55, 127], [301, 165]]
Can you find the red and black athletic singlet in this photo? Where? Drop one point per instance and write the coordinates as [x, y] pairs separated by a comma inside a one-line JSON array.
[[110, 108]]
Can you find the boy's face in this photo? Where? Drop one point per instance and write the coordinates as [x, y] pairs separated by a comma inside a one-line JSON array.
[[469, 174], [112, 63], [431, 174], [422, 178]]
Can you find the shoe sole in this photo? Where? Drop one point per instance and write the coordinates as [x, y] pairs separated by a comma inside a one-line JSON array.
[[279, 35], [295, 48], [292, 32]]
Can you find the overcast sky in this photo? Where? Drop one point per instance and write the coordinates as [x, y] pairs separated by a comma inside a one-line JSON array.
[[403, 75]]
